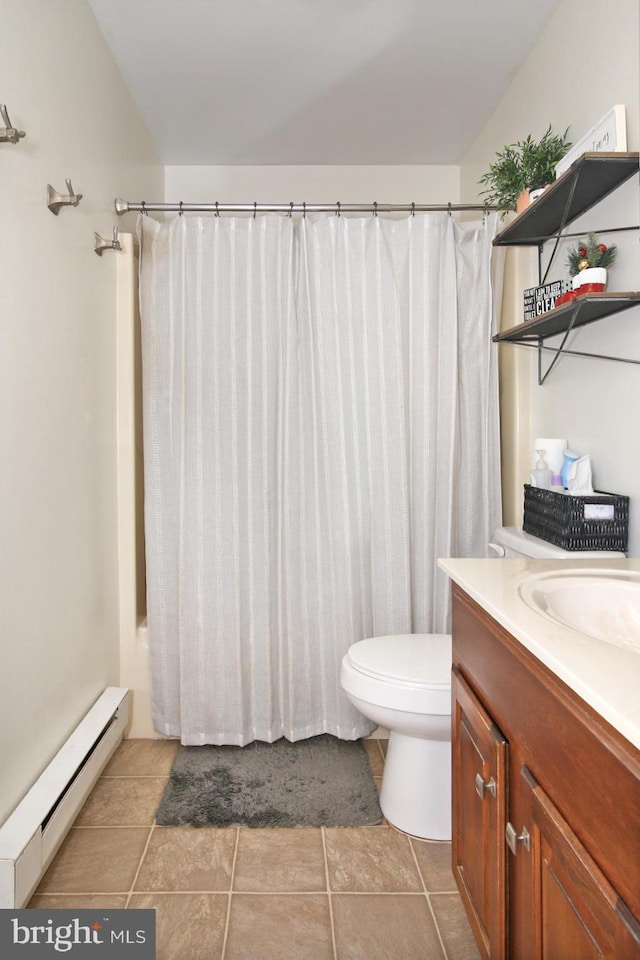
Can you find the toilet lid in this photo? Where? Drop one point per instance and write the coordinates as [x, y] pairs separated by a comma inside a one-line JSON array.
[[421, 659]]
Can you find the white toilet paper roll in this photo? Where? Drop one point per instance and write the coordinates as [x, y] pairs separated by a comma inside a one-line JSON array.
[[554, 452]]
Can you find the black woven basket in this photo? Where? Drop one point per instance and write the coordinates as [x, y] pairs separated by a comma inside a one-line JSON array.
[[572, 522]]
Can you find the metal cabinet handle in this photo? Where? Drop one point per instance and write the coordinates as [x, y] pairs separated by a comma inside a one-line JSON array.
[[513, 838], [482, 786]]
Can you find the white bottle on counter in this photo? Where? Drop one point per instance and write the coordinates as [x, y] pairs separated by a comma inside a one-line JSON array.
[[541, 475]]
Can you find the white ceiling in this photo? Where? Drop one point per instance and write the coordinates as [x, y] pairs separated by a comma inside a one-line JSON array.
[[318, 81]]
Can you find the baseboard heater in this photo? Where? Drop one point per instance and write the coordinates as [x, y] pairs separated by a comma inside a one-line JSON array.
[[34, 831]]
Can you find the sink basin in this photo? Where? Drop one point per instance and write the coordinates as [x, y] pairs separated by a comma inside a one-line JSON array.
[[601, 604]]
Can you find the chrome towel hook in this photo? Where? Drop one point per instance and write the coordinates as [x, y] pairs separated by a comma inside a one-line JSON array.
[[9, 134], [102, 244], [56, 200]]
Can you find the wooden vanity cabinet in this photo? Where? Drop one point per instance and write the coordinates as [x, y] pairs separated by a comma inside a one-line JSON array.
[[546, 806]]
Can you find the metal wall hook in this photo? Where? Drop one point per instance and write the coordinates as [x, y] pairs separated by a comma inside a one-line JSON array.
[[56, 200], [9, 134], [102, 244]]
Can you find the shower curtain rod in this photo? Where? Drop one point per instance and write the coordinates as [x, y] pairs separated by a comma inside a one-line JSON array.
[[124, 206]]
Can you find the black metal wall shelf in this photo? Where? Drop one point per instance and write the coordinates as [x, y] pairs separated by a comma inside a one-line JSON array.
[[579, 311], [563, 319], [587, 181]]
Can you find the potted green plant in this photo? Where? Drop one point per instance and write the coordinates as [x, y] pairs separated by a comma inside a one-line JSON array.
[[521, 168]]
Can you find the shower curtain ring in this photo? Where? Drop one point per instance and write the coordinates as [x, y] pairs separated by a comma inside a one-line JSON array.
[[449, 207], [338, 213], [143, 208], [375, 208], [290, 209], [217, 211], [304, 210], [180, 211], [413, 209], [255, 207]]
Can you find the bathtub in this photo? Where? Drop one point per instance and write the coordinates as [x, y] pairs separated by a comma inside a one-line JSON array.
[[135, 674], [134, 638]]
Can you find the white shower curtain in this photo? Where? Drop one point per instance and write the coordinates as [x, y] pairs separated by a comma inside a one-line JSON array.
[[320, 425]]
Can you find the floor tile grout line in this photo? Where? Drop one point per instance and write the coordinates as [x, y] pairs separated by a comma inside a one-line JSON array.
[[437, 926], [133, 776], [243, 893], [415, 860], [428, 899], [302, 893], [113, 826], [328, 885], [144, 853], [142, 892], [231, 882]]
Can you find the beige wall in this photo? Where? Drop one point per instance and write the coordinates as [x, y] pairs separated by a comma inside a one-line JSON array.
[[585, 61], [58, 574], [314, 184]]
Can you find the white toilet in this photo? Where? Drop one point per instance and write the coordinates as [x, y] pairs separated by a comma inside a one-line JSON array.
[[403, 682]]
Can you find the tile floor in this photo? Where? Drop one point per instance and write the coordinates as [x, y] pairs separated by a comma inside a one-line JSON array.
[[367, 893]]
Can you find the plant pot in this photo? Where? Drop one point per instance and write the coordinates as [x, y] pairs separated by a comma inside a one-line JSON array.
[[595, 278], [528, 196], [535, 192]]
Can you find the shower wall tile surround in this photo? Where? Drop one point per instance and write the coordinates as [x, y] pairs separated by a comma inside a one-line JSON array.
[[256, 894]]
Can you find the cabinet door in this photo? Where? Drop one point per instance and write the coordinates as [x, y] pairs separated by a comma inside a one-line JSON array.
[[479, 818], [577, 913]]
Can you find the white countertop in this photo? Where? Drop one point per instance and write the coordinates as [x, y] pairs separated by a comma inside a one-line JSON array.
[[606, 677]]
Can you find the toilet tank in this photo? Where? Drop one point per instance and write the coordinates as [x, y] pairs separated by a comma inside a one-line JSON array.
[[512, 542]]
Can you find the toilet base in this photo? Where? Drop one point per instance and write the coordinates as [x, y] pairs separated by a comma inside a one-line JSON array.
[[416, 786]]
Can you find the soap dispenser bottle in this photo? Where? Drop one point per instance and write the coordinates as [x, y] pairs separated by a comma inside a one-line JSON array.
[[541, 476]]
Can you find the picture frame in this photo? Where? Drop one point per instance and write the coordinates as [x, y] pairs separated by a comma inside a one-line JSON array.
[[608, 135]]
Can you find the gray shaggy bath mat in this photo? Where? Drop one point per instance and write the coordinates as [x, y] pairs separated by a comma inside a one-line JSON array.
[[320, 782]]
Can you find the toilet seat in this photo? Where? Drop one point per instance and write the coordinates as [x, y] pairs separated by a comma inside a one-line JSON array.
[[416, 659], [404, 672]]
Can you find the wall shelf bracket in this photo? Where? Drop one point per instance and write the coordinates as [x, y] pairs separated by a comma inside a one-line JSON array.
[[541, 347], [557, 354]]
